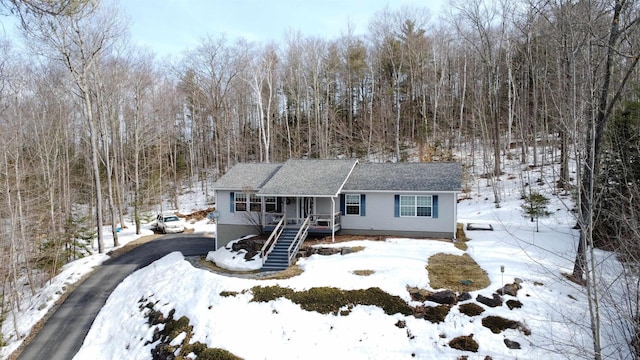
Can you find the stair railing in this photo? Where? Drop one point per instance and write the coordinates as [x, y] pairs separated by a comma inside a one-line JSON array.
[[299, 239], [273, 239]]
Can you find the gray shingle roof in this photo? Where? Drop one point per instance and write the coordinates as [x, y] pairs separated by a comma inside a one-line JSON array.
[[327, 177], [246, 176], [434, 176], [309, 177]]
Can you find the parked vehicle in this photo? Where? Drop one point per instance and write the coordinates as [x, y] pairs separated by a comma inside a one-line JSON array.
[[169, 224]]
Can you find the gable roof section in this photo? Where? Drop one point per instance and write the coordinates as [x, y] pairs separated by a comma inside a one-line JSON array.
[[432, 176], [309, 178], [246, 176]]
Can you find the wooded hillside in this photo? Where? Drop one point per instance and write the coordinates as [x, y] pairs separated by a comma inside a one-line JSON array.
[[93, 128]]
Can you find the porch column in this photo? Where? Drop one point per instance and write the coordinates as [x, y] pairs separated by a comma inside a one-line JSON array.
[[333, 219], [455, 216]]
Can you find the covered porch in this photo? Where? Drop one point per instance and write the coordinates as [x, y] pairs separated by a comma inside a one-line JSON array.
[[324, 218]]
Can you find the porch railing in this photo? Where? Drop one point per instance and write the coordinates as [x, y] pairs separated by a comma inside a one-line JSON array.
[[273, 239], [299, 239], [316, 221]]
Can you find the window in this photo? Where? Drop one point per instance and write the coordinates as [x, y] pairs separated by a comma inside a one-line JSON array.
[[255, 203], [407, 205], [352, 203], [415, 205], [270, 204], [240, 200], [423, 206]]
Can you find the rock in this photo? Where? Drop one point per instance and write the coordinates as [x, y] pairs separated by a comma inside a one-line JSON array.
[[418, 294], [514, 304], [464, 296], [250, 255], [346, 250], [510, 289], [514, 345], [491, 302], [163, 352], [328, 251], [248, 245], [445, 297]]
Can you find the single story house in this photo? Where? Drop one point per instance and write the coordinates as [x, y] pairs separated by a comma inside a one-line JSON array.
[[339, 196]]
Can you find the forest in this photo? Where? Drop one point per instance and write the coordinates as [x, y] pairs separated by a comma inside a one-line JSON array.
[[94, 129]]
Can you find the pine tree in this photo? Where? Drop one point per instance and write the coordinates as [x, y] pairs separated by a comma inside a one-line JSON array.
[[535, 207], [619, 180]]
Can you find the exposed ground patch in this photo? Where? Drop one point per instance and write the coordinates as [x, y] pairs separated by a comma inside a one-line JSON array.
[[457, 273], [498, 324], [326, 300], [461, 238], [168, 329], [464, 343]]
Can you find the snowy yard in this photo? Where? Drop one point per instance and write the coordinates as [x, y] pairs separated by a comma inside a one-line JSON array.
[[553, 309]]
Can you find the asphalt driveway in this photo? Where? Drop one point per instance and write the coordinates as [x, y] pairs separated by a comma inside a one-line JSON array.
[[62, 335]]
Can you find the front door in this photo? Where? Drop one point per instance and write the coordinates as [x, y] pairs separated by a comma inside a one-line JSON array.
[[306, 207]]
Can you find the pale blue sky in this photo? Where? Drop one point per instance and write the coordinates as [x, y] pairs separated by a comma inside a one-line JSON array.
[[171, 26]]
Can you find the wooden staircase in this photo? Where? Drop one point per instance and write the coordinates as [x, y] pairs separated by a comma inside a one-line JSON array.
[[278, 259]]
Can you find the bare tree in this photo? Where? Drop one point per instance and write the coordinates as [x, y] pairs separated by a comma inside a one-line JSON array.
[[620, 61], [79, 41]]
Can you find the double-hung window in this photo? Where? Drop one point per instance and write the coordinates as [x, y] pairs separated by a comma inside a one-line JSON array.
[[416, 205], [240, 200], [246, 202], [255, 203], [352, 204], [270, 204]]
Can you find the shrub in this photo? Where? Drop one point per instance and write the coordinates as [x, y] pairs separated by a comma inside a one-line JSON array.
[[498, 324], [434, 314], [471, 309], [327, 300], [464, 343], [173, 328], [514, 304]]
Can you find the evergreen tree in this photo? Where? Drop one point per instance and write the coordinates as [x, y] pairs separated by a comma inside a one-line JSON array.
[[535, 207], [615, 222]]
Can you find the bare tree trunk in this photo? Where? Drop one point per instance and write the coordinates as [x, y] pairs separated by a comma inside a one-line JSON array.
[[95, 167]]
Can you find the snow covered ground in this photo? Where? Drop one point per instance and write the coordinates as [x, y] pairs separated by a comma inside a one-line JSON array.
[[554, 309]]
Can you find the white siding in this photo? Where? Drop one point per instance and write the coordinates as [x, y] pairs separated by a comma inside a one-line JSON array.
[[223, 204], [323, 205]]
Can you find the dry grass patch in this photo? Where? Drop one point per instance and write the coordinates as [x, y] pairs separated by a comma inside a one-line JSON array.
[[291, 271], [311, 241], [363, 272], [464, 343], [202, 261], [456, 273], [461, 238]]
